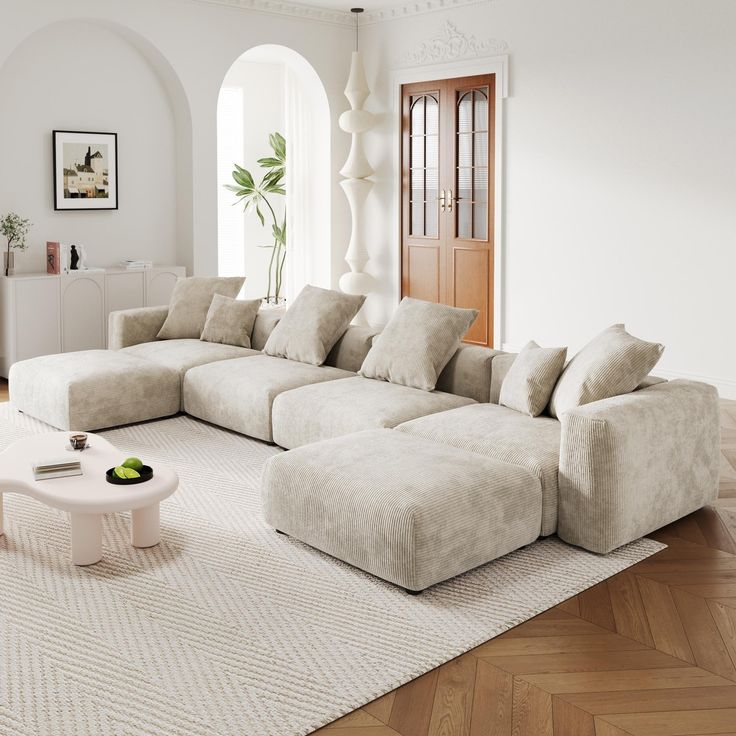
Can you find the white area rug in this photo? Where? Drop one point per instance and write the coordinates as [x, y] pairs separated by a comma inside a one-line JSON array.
[[227, 628]]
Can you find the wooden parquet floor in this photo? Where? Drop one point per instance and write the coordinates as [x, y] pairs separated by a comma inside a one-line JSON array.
[[648, 652]]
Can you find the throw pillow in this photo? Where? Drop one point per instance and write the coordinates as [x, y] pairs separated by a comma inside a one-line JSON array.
[[417, 343], [312, 325], [532, 378], [190, 302], [611, 364], [230, 321]]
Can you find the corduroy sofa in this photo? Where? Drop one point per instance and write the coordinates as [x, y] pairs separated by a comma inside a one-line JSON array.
[[413, 486]]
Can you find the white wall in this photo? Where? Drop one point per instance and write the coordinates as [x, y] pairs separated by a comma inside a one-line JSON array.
[[620, 170], [190, 46], [263, 91], [40, 90]]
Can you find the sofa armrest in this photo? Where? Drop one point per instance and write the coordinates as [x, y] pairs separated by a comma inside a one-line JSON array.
[[633, 463], [133, 326]]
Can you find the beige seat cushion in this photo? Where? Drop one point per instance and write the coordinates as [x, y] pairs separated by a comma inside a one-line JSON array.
[[532, 378], [93, 389], [409, 511], [612, 363], [417, 343], [190, 301], [230, 321], [327, 410], [503, 434], [312, 325], [238, 394]]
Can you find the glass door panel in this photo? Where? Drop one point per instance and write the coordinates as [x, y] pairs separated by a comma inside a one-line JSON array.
[[424, 162]]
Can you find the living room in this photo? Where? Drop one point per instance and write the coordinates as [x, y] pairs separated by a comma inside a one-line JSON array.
[[363, 369]]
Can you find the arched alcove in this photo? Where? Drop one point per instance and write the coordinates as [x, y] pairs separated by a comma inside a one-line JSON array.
[[93, 75], [268, 87]]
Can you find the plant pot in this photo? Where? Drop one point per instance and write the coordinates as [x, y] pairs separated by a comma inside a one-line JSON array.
[[9, 263]]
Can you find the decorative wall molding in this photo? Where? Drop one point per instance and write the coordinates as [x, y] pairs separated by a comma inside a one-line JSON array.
[[332, 16], [451, 44]]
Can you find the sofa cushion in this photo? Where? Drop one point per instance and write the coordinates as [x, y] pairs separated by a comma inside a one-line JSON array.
[[266, 321], [93, 389], [230, 321], [612, 363], [532, 378], [417, 343], [238, 394], [503, 434], [312, 325], [410, 511], [190, 301], [319, 412], [181, 355]]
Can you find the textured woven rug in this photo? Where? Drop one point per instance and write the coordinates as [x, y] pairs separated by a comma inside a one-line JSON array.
[[226, 628]]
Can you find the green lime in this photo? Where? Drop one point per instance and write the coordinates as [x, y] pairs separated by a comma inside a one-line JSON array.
[[133, 462], [130, 473], [120, 472]]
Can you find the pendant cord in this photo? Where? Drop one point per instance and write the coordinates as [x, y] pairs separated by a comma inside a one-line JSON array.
[[356, 12]]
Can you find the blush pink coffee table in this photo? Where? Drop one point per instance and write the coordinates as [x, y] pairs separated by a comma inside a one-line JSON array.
[[87, 497]]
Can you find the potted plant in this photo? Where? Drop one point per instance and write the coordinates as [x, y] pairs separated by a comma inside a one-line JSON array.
[[15, 229], [255, 195]]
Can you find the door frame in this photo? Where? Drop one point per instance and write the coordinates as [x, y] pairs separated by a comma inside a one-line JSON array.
[[497, 65]]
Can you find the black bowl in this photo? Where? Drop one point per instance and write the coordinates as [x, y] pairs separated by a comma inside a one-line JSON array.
[[146, 474]]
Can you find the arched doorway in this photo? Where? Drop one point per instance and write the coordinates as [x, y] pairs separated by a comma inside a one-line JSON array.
[[271, 90]]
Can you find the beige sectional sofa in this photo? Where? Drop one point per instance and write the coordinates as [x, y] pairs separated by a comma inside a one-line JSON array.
[[414, 486]]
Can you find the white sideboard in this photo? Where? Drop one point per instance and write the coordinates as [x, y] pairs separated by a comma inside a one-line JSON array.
[[45, 313]]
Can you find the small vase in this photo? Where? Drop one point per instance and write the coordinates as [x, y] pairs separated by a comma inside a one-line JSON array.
[[9, 263]]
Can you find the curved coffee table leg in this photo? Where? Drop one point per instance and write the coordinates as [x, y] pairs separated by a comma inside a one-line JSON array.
[[145, 530], [86, 538]]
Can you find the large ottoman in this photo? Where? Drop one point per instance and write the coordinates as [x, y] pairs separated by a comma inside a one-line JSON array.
[[408, 510], [93, 389]]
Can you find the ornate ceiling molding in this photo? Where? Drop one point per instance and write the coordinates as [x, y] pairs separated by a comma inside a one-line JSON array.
[[344, 17], [451, 44]]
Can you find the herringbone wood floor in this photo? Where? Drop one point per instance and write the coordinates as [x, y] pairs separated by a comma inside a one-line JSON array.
[[649, 652]]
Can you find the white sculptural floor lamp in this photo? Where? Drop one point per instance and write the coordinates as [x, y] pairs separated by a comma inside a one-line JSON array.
[[356, 171]]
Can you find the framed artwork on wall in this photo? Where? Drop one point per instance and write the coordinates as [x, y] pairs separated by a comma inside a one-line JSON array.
[[85, 170]]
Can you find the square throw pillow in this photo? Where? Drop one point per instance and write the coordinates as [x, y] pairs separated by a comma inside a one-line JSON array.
[[190, 303], [531, 379], [312, 325], [611, 364], [230, 321], [417, 343]]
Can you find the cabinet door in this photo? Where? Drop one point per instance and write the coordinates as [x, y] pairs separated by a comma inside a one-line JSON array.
[[36, 317], [160, 283], [82, 312], [123, 290]]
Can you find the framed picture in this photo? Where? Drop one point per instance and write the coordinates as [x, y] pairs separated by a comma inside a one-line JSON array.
[[85, 170]]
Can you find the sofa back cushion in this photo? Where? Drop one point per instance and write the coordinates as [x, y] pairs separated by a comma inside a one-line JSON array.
[[417, 343], [531, 379], [230, 321], [611, 364], [312, 325], [266, 319], [468, 373], [190, 302], [350, 350]]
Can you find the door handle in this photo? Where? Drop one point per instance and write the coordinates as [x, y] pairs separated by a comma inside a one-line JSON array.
[[441, 199], [449, 200]]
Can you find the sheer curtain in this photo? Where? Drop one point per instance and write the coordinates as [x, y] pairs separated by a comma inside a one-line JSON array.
[[307, 182]]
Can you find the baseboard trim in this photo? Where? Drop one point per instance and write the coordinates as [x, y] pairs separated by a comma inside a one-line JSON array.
[[726, 386]]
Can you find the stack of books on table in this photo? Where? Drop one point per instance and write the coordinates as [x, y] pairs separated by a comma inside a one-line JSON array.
[[56, 468], [135, 264]]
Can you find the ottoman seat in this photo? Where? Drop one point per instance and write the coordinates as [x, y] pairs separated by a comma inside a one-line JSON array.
[[408, 510], [93, 389]]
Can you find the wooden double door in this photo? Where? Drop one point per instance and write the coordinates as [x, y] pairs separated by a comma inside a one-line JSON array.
[[447, 156]]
